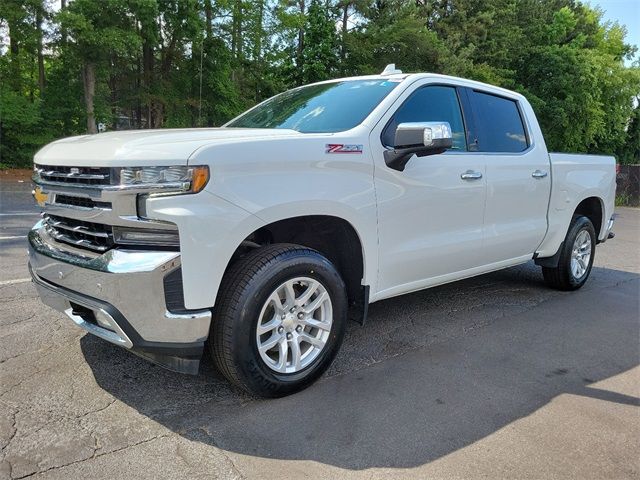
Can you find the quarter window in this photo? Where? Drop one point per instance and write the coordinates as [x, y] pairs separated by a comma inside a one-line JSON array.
[[430, 104], [499, 124]]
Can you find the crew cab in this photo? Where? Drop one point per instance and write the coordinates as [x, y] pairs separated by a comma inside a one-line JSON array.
[[260, 239]]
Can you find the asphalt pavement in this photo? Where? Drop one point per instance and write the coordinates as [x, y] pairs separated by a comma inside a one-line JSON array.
[[492, 377]]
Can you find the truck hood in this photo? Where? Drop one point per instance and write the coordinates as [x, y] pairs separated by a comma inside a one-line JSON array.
[[140, 147]]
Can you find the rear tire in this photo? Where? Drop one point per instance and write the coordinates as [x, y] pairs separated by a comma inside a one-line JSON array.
[[263, 339], [576, 257]]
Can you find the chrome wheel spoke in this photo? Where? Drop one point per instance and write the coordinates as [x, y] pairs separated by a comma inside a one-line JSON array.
[[582, 265], [315, 304], [308, 293], [277, 302], [295, 354], [270, 325], [290, 294], [283, 350], [316, 342], [271, 342], [313, 323]]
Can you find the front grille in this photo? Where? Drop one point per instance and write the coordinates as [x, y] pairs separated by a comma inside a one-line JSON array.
[[75, 175], [94, 236], [83, 202]]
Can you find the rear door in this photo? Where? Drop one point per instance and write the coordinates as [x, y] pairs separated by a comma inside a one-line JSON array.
[[517, 174]]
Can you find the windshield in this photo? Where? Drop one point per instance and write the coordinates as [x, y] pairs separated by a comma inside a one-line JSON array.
[[325, 108]]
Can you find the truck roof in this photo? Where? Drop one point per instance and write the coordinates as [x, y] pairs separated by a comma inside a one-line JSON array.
[[403, 77]]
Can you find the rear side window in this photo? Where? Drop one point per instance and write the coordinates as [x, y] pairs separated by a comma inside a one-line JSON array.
[[430, 104], [499, 124]]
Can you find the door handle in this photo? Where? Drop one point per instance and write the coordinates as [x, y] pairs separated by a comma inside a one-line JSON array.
[[539, 174], [471, 175]]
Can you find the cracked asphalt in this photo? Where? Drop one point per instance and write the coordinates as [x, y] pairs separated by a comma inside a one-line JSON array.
[[492, 377]]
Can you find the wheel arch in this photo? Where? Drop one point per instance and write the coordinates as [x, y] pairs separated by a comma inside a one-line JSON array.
[[593, 208], [333, 236]]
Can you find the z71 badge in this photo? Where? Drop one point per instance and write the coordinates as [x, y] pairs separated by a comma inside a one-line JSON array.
[[342, 148]]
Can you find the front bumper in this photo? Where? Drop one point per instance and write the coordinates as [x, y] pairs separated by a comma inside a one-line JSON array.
[[120, 297]]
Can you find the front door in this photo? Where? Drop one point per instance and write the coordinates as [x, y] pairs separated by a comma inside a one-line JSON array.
[[430, 216]]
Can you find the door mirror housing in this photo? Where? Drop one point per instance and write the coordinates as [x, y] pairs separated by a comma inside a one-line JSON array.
[[418, 138]]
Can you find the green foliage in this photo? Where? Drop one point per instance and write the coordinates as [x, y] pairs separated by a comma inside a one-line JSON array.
[[397, 36], [185, 63], [321, 44], [21, 128], [629, 150], [99, 30]]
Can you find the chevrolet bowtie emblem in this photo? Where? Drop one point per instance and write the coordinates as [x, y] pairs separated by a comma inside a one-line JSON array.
[[40, 196]]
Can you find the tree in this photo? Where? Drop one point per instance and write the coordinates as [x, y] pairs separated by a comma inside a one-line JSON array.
[[160, 63], [629, 151], [321, 48], [96, 31]]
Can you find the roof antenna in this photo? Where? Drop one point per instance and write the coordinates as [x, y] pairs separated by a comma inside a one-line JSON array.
[[390, 70]]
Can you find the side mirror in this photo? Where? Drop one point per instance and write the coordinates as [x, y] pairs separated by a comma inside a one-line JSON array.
[[418, 138]]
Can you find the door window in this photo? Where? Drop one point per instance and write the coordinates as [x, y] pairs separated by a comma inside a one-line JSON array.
[[499, 124], [430, 104]]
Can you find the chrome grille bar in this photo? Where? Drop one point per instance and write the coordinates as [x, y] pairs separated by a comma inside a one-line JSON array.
[[74, 175], [79, 176], [80, 242], [94, 236], [78, 229]]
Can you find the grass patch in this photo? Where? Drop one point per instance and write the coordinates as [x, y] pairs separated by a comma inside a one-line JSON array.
[[625, 200]]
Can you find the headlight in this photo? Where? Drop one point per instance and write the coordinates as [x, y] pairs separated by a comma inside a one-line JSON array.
[[181, 178]]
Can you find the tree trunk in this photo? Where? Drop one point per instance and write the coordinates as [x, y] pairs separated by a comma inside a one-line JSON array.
[[41, 74], [345, 20], [236, 29], [257, 41], [63, 32], [14, 62], [209, 17], [236, 37], [89, 83], [300, 48], [257, 47], [147, 75]]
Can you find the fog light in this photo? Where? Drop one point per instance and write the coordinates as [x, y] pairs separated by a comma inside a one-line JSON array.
[[103, 320], [144, 236]]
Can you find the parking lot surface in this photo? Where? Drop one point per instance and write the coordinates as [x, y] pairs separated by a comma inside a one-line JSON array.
[[492, 377]]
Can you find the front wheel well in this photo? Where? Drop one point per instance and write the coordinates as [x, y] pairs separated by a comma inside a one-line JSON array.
[[592, 209], [333, 237]]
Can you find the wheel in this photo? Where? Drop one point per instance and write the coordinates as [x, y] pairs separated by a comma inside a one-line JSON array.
[[576, 257], [279, 320]]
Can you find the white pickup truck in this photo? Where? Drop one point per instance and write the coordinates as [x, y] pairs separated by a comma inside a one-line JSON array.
[[260, 239]]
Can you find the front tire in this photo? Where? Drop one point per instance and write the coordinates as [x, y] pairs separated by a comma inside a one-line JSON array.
[[279, 320], [576, 257]]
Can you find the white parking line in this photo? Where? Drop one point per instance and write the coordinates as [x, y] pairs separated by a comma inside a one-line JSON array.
[[18, 280], [13, 238], [20, 214]]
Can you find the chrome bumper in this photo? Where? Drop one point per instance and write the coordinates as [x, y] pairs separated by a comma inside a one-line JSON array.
[[118, 296]]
